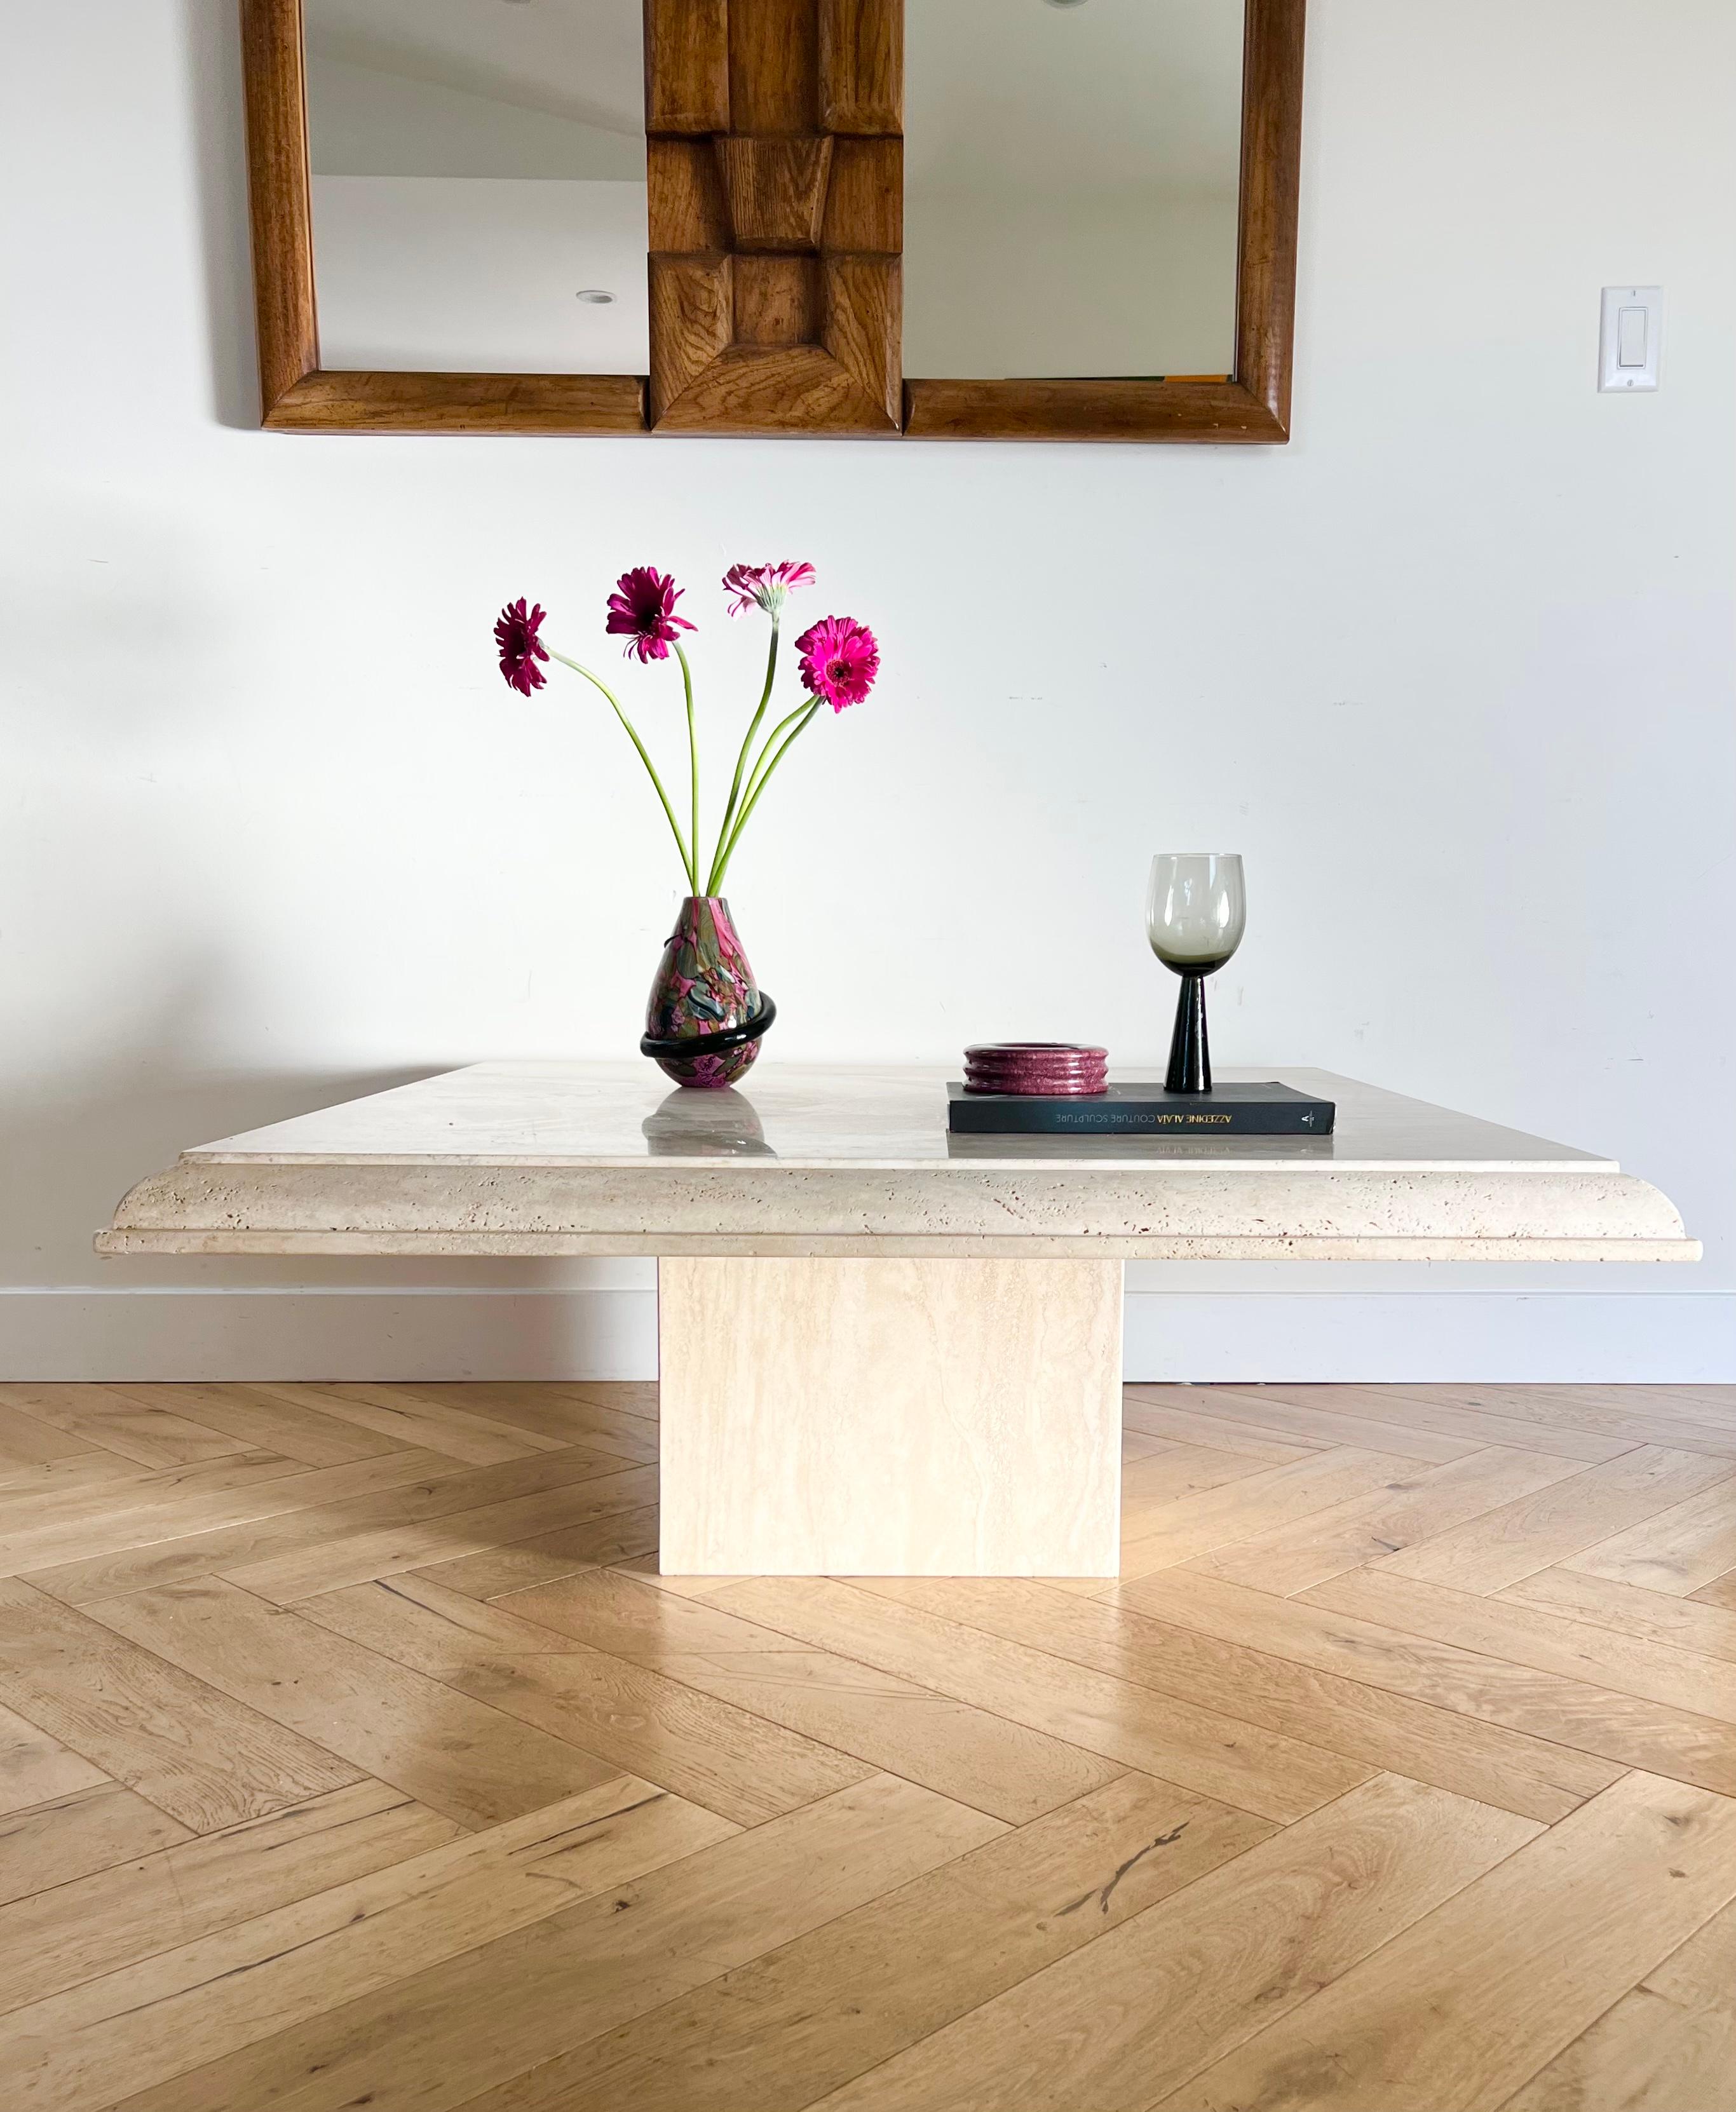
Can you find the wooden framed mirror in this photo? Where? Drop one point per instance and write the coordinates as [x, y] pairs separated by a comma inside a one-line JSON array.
[[629, 216]]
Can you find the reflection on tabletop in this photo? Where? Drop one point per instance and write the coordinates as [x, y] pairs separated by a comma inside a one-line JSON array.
[[1119, 1148], [717, 1124]]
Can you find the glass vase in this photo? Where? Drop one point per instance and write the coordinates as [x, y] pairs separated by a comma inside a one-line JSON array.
[[704, 988]]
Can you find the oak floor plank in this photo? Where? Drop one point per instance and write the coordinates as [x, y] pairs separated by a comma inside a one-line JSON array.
[[1720, 1591], [1710, 1407], [1157, 1412], [1601, 1411], [1535, 1531], [632, 1396], [982, 1815], [446, 1633], [26, 1440], [1721, 1398], [100, 1416], [518, 1565], [605, 1609], [1529, 1635], [259, 1416], [1463, 2006], [1253, 1504], [72, 1470], [468, 1762], [164, 1896], [76, 1501], [68, 1837], [1121, 2023], [1222, 1756], [1485, 1762], [411, 1415], [1631, 1609], [596, 1484], [1149, 1486], [1572, 1712], [555, 1414], [808, 2017], [1006, 1768], [1670, 2043], [1413, 1412], [198, 1754], [745, 1767], [427, 2043], [1315, 1424], [34, 1767], [77, 1524], [1676, 1551], [1409, 1509], [646, 1567], [316, 1508], [145, 2025]]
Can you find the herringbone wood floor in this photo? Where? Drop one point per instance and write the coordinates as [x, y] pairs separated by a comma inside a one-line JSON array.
[[351, 1752]]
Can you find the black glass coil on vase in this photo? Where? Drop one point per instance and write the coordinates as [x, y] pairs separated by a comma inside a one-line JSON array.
[[1195, 912]]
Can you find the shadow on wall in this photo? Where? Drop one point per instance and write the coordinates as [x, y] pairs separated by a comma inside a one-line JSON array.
[[212, 42], [75, 1136]]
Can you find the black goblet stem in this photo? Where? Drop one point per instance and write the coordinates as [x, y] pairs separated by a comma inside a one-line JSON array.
[[1190, 1051]]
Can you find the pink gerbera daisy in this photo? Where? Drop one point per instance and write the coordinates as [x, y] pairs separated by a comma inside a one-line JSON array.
[[839, 660], [642, 610], [515, 633], [764, 586]]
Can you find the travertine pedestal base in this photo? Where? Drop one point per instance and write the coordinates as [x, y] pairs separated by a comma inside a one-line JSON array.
[[890, 1418]]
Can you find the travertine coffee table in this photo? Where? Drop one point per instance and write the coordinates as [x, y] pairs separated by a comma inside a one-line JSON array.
[[884, 1351]]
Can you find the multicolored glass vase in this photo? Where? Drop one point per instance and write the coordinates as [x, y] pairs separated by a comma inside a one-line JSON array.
[[703, 990]]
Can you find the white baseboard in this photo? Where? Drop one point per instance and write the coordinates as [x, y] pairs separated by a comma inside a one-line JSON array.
[[576, 1332], [1440, 1338], [610, 1332]]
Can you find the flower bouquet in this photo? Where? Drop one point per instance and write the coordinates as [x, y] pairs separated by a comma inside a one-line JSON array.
[[706, 1016]]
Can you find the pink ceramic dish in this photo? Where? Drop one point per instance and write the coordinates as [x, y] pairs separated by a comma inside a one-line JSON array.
[[1046, 1069]]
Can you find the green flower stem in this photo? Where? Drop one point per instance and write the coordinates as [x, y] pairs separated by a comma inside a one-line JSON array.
[[755, 775], [806, 718], [687, 863], [693, 766], [769, 752], [734, 790]]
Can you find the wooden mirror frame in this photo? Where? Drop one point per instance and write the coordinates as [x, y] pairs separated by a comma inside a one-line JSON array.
[[775, 165]]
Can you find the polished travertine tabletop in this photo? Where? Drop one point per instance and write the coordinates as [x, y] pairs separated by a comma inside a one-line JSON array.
[[557, 1157], [813, 1115]]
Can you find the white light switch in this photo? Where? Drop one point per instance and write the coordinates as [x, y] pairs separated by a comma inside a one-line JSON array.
[[1633, 337]]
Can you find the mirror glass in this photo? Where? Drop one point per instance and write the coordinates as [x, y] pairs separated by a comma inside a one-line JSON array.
[[1072, 173], [479, 184]]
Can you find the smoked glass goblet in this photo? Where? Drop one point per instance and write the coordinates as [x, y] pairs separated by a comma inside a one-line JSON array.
[[1196, 911]]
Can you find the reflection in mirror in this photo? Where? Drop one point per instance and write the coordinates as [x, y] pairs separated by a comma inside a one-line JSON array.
[[1071, 174], [479, 184]]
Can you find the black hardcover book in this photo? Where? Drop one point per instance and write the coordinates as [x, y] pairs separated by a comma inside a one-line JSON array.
[[1137, 1110]]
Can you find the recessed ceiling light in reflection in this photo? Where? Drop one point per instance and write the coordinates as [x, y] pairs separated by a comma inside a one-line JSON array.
[[594, 297]]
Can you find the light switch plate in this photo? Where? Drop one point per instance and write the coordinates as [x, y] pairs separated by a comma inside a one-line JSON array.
[[1632, 338]]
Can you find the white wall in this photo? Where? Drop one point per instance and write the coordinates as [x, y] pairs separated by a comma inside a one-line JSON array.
[[1454, 671]]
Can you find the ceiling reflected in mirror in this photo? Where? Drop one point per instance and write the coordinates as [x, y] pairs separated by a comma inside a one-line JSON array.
[[479, 184]]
